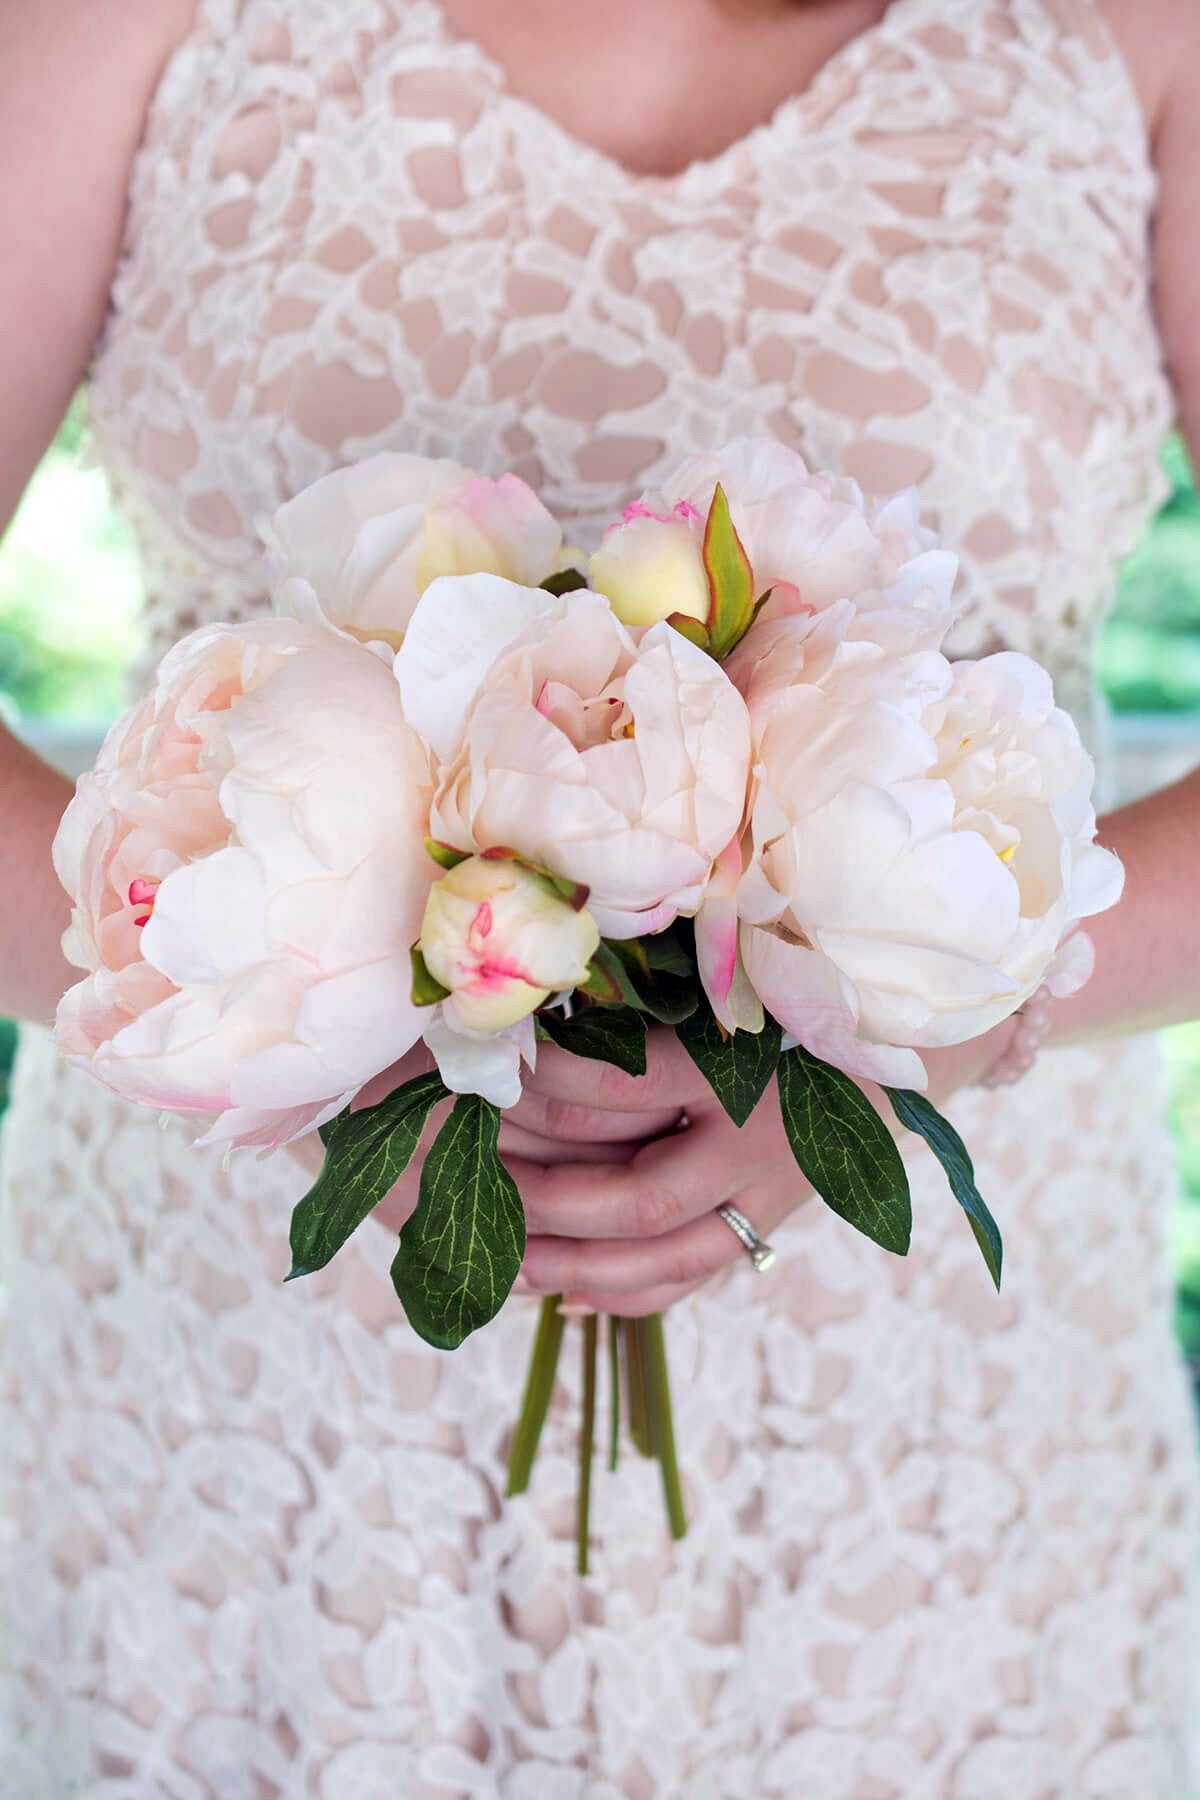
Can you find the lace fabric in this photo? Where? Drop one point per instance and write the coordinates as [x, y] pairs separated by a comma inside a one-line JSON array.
[[942, 1544]]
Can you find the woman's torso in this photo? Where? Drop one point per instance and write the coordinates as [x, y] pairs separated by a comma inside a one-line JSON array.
[[347, 233]]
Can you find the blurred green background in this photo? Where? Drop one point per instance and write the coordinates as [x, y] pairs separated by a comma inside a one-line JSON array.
[[69, 600]]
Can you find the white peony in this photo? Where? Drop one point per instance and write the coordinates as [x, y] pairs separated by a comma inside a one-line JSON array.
[[911, 876]]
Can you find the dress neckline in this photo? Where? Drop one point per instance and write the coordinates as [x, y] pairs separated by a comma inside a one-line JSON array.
[[844, 60]]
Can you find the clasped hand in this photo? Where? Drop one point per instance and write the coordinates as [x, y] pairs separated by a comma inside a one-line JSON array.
[[621, 1177]]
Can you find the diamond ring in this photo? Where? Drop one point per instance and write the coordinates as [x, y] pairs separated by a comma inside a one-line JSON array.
[[759, 1252]]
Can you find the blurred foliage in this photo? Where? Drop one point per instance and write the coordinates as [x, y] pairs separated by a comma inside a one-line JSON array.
[[69, 590], [1149, 655]]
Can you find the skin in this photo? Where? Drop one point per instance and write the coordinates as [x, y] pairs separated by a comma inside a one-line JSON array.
[[619, 1202]]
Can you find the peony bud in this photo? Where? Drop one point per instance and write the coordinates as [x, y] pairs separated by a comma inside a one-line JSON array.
[[489, 527], [650, 566], [500, 939]]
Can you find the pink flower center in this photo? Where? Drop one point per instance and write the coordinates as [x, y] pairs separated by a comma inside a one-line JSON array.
[[142, 892], [495, 970]]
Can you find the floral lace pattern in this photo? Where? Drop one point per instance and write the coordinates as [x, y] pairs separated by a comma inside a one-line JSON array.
[[942, 1543]]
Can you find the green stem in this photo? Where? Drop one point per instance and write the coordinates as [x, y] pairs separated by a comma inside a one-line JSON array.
[[635, 1381], [659, 1418], [614, 1391], [539, 1385], [587, 1432]]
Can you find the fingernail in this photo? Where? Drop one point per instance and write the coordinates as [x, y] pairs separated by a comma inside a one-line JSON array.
[[574, 1309]]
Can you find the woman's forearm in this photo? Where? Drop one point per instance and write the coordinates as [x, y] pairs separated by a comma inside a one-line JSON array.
[[34, 911], [1148, 946]]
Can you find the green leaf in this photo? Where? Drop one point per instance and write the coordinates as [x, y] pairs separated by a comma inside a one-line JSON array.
[[661, 980], [845, 1149], [461, 1249], [427, 990], [608, 981], [730, 579], [915, 1111], [738, 1065], [365, 1153], [611, 1034], [567, 581], [665, 955]]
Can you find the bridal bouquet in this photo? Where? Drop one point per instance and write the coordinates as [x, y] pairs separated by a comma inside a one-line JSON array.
[[471, 787]]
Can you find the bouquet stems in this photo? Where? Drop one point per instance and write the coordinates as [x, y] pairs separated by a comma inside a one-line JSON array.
[[539, 1385], [639, 1345], [587, 1430]]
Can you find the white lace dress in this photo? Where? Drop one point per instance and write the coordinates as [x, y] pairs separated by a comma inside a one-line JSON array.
[[942, 1544]]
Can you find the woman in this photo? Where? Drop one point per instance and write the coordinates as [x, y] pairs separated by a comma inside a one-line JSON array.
[[941, 1543]]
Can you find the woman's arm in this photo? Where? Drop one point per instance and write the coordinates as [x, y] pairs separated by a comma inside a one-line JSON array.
[[75, 79], [1148, 947]]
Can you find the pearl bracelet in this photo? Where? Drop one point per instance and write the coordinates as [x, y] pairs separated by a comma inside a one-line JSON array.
[[1020, 1053]]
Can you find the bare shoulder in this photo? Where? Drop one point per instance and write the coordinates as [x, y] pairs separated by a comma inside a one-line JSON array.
[[1160, 41], [147, 30]]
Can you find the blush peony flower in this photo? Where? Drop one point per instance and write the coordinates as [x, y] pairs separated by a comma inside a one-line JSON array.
[[502, 940], [248, 875], [815, 539], [616, 765], [911, 878], [651, 565], [358, 547]]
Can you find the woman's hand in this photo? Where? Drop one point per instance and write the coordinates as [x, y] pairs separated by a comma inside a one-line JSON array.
[[634, 1238], [620, 1196]]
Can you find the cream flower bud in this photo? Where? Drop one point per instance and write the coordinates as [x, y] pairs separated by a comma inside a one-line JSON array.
[[499, 938], [650, 566]]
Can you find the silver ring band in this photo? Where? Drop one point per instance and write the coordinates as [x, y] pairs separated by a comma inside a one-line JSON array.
[[759, 1252]]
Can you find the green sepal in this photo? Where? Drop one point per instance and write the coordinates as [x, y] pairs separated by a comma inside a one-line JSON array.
[[462, 1247], [738, 1065], [694, 630], [611, 1034], [566, 581], [921, 1116], [845, 1149], [427, 990], [366, 1152], [445, 855], [574, 893], [730, 579]]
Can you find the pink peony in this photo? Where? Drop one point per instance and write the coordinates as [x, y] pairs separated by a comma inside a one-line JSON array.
[[248, 874], [619, 766]]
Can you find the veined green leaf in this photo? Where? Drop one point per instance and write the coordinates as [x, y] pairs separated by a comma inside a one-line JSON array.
[[738, 1065], [920, 1115], [461, 1249], [365, 1153], [611, 1034], [845, 1149]]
